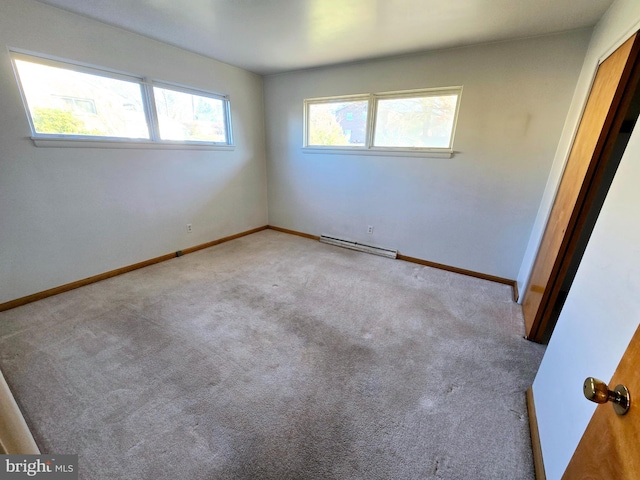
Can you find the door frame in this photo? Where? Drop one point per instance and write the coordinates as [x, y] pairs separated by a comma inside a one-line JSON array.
[[543, 321]]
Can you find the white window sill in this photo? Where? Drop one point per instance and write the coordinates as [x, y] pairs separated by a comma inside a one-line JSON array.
[[387, 152], [135, 144]]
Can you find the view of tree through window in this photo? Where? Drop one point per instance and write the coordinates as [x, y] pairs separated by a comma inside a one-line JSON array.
[[411, 120], [185, 116], [418, 122], [67, 101], [70, 102], [337, 123]]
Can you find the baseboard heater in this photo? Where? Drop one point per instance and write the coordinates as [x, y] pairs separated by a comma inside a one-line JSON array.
[[360, 247]]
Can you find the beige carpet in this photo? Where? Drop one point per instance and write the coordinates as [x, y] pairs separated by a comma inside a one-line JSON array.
[[277, 357]]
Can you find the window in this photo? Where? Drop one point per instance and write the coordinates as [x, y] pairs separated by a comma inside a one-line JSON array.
[[190, 116], [332, 123], [72, 102], [415, 120]]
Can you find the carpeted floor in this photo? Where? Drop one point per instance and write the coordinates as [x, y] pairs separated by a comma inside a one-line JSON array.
[[277, 357]]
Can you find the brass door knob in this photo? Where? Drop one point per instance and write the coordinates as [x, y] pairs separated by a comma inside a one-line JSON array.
[[597, 391]]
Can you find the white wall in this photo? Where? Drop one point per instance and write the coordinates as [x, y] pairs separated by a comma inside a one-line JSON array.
[[620, 21], [473, 211], [69, 213], [602, 310]]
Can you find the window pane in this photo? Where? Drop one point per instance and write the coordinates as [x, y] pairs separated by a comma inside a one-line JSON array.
[[419, 122], [338, 123], [185, 116], [69, 102]]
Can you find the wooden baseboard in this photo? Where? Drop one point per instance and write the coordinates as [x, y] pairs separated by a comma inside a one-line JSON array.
[[516, 291], [492, 278], [470, 273], [118, 271], [223, 240], [293, 232], [535, 437]]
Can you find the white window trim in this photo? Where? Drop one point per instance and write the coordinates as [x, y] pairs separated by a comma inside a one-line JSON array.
[[146, 88], [193, 91], [379, 151], [70, 141], [369, 148]]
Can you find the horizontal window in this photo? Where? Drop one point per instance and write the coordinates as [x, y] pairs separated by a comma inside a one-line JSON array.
[[190, 116], [71, 102], [416, 120]]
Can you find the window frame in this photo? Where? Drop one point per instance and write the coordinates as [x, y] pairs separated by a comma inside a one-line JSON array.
[[336, 99], [191, 91], [148, 102], [372, 112]]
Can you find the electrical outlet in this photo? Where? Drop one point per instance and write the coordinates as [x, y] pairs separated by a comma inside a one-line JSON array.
[[370, 229], [189, 228]]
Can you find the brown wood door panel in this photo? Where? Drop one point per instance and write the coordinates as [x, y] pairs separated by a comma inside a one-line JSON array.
[[588, 147], [610, 445]]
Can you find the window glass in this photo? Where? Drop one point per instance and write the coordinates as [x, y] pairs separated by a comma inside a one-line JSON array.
[[415, 122], [190, 117], [337, 123], [410, 120], [70, 102]]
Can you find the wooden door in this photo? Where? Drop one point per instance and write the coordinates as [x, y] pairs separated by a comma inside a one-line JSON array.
[[610, 446], [603, 115]]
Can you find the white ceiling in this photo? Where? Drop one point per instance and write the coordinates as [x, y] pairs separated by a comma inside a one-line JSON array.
[[271, 36]]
